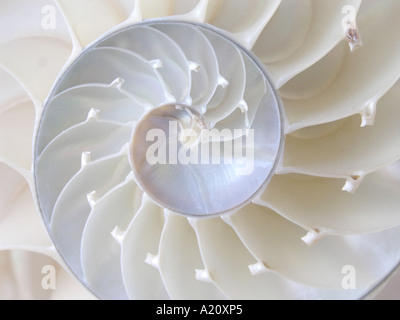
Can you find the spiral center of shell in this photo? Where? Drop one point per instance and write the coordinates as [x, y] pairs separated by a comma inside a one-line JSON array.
[[206, 152], [174, 109], [204, 120]]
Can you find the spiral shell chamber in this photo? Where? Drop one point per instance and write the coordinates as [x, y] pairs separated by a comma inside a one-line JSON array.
[[99, 114]]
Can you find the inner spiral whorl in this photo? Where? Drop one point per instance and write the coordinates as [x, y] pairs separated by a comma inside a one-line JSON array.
[[213, 158], [184, 165], [217, 114], [194, 125]]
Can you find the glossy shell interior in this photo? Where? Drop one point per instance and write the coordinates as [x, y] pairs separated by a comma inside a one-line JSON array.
[[332, 201]]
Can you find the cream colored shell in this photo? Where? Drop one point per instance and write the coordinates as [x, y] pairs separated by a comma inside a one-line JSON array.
[[333, 202]]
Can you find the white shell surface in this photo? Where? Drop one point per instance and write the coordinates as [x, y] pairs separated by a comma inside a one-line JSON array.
[[334, 195]]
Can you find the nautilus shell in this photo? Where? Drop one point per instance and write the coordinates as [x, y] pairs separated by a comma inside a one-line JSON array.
[[199, 149]]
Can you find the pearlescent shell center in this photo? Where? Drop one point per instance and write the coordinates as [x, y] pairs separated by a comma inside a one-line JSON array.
[[234, 138], [153, 74], [96, 149]]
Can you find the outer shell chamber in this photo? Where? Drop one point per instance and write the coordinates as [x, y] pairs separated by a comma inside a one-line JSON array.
[[159, 116]]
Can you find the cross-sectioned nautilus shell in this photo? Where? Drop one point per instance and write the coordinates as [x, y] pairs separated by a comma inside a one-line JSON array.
[[218, 149]]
